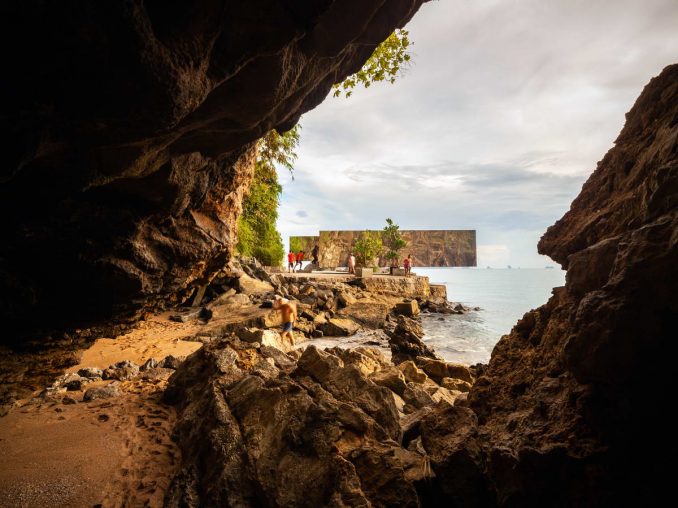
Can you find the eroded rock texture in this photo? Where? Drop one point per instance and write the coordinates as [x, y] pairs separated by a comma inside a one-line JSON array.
[[571, 410], [259, 429], [128, 127]]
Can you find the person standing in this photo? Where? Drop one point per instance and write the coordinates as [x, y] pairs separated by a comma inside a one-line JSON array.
[[407, 263], [288, 311], [290, 261], [314, 255], [351, 263], [300, 258]]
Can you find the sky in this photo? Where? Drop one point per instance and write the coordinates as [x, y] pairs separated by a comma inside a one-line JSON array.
[[502, 116]]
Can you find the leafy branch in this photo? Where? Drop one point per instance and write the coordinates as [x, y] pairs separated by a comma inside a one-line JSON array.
[[385, 64]]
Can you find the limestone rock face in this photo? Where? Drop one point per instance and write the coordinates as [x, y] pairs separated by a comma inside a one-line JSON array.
[[405, 340], [255, 430], [129, 130], [561, 414], [371, 315]]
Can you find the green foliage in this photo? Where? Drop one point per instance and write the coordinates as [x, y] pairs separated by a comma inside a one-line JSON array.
[[393, 240], [385, 64], [295, 244], [257, 233], [367, 247], [275, 148]]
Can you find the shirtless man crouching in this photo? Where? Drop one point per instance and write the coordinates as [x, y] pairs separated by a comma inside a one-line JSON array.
[[289, 315]]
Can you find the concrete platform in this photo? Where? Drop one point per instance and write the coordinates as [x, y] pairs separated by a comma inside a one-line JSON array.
[[412, 286]]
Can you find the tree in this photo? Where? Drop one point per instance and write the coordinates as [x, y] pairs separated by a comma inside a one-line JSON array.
[[257, 233], [385, 64], [275, 148], [367, 247], [393, 241]]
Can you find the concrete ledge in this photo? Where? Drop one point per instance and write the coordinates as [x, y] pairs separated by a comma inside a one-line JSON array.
[[407, 287]]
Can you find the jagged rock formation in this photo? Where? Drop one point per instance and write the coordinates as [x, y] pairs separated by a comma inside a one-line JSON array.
[[334, 428], [571, 408], [129, 130]]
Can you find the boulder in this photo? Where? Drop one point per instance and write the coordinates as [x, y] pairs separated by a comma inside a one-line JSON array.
[[250, 286], [90, 372], [416, 397], [411, 372], [320, 319], [438, 291], [171, 362], [330, 304], [460, 371], [269, 338], [365, 363], [187, 314], [285, 362], [409, 423], [304, 326], [368, 314], [151, 363], [449, 435], [339, 327], [345, 298], [121, 374], [101, 392], [375, 354], [462, 399], [405, 340], [455, 384], [435, 369], [224, 304], [409, 308], [73, 384], [392, 378], [318, 364], [439, 369], [156, 374], [443, 394], [306, 313]]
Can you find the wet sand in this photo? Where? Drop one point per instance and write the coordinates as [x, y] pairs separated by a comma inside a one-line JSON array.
[[113, 452]]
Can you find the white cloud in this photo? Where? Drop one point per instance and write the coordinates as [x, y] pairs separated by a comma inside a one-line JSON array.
[[503, 115]]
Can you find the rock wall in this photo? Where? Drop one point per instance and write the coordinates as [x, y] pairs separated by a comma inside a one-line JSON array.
[[571, 409], [304, 243], [129, 130], [441, 247]]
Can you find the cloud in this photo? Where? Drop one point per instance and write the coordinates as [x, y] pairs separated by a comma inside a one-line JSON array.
[[496, 125]]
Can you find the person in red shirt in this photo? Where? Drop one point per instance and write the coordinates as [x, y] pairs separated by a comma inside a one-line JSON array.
[[300, 258], [290, 261], [407, 264]]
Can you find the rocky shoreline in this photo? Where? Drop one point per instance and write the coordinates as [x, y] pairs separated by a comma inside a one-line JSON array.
[[348, 407]]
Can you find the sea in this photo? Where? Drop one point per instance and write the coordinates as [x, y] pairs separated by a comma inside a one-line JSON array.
[[502, 295]]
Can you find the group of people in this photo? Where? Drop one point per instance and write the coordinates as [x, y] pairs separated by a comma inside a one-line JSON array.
[[295, 261], [407, 263]]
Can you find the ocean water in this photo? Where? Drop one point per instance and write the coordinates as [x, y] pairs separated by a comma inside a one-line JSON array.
[[503, 296]]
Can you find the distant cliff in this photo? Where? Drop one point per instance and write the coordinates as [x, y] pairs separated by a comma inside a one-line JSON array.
[[440, 247]]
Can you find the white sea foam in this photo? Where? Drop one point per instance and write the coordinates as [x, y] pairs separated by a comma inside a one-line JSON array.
[[503, 295]]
